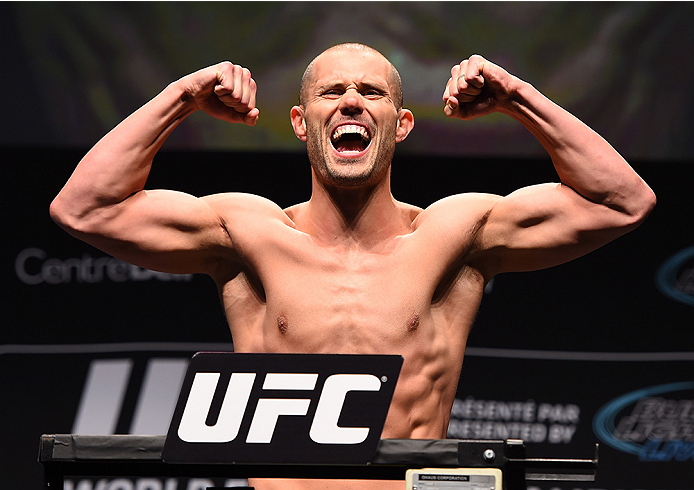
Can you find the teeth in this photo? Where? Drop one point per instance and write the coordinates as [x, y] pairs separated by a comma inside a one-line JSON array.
[[350, 129]]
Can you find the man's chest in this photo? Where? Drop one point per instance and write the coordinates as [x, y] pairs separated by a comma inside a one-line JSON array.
[[350, 279], [303, 294]]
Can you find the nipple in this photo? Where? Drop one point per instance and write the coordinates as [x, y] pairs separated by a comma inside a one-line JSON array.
[[413, 323], [282, 324]]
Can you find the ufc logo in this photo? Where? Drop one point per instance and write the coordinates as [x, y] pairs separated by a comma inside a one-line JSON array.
[[281, 408], [324, 428]]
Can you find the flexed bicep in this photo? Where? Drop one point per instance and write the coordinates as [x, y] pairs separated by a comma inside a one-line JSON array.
[[162, 230], [104, 202], [545, 225], [600, 196]]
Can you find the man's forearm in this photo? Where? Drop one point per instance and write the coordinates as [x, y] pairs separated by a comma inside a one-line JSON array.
[[583, 159], [119, 164]]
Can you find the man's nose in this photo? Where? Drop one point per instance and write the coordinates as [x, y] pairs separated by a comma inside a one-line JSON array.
[[351, 102]]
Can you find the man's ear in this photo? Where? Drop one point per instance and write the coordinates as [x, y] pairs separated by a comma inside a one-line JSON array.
[[405, 124], [298, 122]]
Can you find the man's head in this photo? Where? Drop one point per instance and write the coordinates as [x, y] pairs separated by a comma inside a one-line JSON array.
[[350, 115], [395, 81]]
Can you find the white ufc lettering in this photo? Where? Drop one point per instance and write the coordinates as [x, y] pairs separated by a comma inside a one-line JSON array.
[[193, 427], [268, 410], [324, 429]]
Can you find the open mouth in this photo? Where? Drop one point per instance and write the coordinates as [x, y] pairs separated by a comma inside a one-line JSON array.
[[350, 139]]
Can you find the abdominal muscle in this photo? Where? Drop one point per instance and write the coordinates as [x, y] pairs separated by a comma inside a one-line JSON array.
[[346, 311], [420, 408], [421, 404]]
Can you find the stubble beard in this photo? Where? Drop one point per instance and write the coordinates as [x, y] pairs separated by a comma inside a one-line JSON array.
[[337, 174]]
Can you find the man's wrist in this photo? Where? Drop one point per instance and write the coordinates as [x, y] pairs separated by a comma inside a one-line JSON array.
[[521, 94], [179, 94]]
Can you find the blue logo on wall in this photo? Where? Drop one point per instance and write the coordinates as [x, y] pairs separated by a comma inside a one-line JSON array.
[[656, 429], [675, 278]]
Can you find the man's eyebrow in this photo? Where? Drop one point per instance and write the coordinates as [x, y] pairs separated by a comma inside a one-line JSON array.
[[330, 84], [383, 87]]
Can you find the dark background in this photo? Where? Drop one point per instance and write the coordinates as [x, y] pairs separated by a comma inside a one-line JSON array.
[[72, 71], [606, 301]]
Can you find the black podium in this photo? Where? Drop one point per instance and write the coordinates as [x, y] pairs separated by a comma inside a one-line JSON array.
[[64, 455], [281, 416]]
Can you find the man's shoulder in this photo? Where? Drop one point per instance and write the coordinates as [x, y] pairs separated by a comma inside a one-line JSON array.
[[409, 212], [469, 207], [293, 211], [239, 207]]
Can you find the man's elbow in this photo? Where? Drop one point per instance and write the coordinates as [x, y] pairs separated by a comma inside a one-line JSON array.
[[57, 210], [66, 215], [642, 206]]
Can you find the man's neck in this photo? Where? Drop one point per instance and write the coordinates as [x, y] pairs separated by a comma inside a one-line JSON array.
[[360, 216]]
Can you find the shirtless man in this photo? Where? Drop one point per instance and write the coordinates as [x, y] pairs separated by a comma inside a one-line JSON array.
[[353, 270]]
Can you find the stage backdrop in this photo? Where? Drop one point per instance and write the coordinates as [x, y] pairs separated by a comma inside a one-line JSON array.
[[81, 67], [596, 351]]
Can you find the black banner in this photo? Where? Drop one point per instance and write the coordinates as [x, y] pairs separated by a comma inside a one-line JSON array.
[[639, 407], [77, 320], [281, 408]]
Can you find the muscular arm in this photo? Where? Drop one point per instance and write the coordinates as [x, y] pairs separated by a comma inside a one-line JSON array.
[[104, 202], [599, 198]]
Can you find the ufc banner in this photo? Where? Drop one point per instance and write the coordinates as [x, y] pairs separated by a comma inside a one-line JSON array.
[[638, 406], [91, 345], [282, 408]]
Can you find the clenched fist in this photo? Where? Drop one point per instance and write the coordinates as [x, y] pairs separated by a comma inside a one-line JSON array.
[[224, 91], [478, 87]]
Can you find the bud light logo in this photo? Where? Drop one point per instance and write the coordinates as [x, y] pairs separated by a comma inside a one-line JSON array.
[[655, 423], [675, 278]]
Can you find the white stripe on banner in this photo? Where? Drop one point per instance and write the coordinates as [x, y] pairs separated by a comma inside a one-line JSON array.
[[102, 397], [159, 394], [580, 356], [113, 347], [228, 347]]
